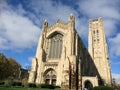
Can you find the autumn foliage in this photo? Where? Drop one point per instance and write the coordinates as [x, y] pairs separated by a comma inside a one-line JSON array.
[[9, 68]]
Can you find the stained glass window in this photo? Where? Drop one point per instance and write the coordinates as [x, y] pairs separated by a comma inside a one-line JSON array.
[[55, 44]]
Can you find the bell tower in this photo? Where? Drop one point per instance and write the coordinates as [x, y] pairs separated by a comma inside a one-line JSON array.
[[97, 47]]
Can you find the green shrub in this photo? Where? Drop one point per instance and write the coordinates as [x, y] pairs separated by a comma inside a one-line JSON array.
[[2, 83], [102, 88], [25, 85], [17, 84], [51, 87], [57, 87], [47, 86], [8, 83], [32, 85], [38, 85]]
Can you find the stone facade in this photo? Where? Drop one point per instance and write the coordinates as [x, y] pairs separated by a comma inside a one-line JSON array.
[[62, 59], [97, 47]]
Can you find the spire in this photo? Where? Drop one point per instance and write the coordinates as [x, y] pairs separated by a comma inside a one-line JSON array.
[[71, 17], [45, 24], [100, 18], [44, 27]]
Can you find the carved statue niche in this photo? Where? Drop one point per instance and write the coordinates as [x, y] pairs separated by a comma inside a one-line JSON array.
[[44, 56]]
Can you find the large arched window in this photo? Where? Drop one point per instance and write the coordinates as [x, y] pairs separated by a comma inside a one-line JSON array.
[[55, 46]]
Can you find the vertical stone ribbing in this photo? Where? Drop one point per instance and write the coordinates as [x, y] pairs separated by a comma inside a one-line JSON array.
[[97, 47]]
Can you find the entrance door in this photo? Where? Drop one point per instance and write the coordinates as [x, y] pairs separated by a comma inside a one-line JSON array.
[[88, 85], [50, 77], [47, 81], [53, 81]]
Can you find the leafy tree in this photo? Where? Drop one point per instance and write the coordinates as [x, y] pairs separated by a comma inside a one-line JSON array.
[[14, 68], [4, 69], [9, 68]]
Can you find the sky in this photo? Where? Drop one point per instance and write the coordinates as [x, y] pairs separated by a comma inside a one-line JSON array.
[[21, 21]]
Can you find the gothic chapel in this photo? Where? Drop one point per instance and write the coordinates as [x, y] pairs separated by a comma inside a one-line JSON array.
[[62, 59]]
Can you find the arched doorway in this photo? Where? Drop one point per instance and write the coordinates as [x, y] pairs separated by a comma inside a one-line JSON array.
[[88, 85], [50, 76]]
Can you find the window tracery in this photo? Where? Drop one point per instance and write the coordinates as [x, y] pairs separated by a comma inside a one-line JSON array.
[[55, 46]]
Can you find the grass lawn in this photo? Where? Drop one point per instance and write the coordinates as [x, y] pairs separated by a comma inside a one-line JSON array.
[[6, 88]]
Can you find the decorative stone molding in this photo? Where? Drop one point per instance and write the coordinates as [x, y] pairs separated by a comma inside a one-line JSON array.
[[56, 25], [51, 64]]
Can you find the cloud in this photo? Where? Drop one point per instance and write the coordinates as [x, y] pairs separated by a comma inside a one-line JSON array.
[[115, 45], [108, 10], [110, 13], [110, 27], [116, 77], [17, 30], [52, 11], [27, 21], [95, 8], [115, 62], [30, 58], [27, 66]]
